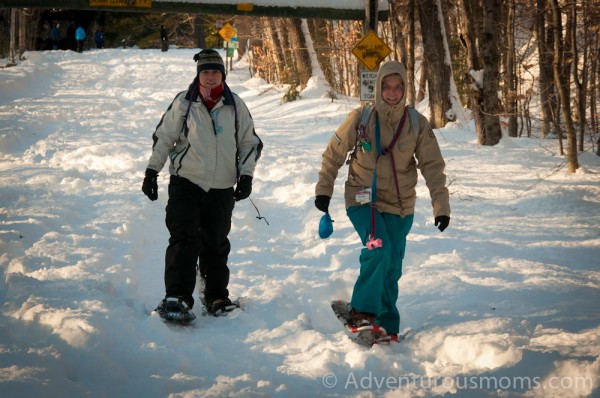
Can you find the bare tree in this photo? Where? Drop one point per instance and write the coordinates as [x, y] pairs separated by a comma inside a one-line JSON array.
[[546, 82], [300, 60], [199, 31], [13, 27], [511, 78], [440, 72], [580, 84], [492, 132], [410, 52], [469, 10], [560, 78]]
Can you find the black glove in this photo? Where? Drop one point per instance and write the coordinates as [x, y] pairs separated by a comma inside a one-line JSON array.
[[443, 222], [150, 185], [243, 188], [322, 203]]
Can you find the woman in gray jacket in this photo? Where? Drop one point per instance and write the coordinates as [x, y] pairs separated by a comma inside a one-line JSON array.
[[208, 135]]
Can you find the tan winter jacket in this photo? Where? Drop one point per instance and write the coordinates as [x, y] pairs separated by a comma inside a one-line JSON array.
[[409, 154]]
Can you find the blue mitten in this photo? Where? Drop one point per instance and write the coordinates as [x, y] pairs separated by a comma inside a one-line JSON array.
[[325, 226]]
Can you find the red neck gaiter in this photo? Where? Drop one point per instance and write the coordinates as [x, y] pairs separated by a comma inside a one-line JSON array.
[[210, 97]]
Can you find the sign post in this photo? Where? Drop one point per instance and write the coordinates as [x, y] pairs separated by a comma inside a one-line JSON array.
[[367, 86], [370, 51], [227, 32]]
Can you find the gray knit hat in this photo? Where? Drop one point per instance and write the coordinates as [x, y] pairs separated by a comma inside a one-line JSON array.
[[209, 59]]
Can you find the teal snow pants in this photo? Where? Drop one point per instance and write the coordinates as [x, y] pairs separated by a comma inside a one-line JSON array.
[[376, 289]]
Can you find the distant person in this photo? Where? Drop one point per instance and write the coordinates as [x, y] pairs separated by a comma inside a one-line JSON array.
[[71, 42], [99, 37], [164, 40], [55, 36], [80, 37], [207, 136]]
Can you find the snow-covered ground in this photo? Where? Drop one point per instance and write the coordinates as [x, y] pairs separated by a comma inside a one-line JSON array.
[[503, 303]]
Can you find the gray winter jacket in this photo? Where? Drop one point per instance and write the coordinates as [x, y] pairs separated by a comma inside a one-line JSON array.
[[207, 150]]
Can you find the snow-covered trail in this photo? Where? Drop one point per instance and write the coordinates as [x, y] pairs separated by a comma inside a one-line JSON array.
[[509, 290]]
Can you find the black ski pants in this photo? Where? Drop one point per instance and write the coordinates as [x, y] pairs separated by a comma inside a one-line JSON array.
[[199, 223]]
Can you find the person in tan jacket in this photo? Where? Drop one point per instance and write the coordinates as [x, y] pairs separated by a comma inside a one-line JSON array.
[[380, 193]]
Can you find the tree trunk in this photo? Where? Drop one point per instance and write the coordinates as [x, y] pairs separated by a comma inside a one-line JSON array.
[[22, 33], [562, 86], [422, 81], [545, 79], [394, 23], [594, 89], [438, 66], [272, 48], [301, 58], [282, 47], [13, 34], [199, 31], [467, 10], [511, 78], [491, 63], [242, 25], [580, 85], [410, 52]]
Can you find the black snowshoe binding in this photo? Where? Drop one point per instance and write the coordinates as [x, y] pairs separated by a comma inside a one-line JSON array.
[[220, 307], [175, 309]]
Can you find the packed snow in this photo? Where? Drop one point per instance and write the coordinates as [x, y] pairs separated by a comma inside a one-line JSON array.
[[503, 303]]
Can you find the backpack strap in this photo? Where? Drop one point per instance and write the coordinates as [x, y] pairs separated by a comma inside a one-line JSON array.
[[362, 143], [413, 115], [365, 115]]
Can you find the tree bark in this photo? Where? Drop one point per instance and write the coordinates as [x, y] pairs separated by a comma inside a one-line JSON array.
[[422, 81], [410, 52], [473, 64], [199, 31], [13, 34], [594, 90], [562, 86], [580, 102], [301, 58], [439, 70], [491, 64], [272, 48], [511, 78], [546, 87]]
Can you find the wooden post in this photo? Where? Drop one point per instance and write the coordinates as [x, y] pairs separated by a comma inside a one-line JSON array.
[[227, 68], [370, 16]]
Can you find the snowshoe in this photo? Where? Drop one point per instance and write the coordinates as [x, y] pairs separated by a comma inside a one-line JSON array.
[[175, 309], [220, 307], [360, 325]]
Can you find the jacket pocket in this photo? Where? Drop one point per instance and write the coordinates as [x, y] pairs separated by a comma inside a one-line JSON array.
[[177, 158]]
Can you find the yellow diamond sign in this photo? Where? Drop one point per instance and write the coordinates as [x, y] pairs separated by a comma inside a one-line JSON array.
[[227, 32], [371, 50]]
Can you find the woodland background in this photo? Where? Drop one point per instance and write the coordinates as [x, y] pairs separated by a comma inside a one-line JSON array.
[[519, 67]]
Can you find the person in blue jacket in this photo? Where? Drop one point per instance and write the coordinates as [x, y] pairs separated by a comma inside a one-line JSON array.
[[80, 37]]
